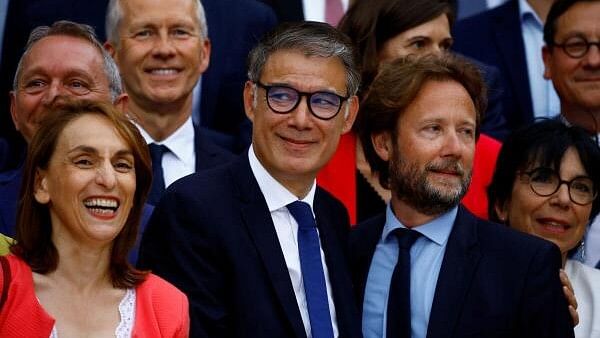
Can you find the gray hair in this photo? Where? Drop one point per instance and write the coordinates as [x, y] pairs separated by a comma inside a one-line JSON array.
[[311, 39], [76, 30], [114, 15]]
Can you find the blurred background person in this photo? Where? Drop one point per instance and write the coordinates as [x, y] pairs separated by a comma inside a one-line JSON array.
[[546, 184], [161, 55], [510, 38], [383, 30], [85, 181], [62, 61]]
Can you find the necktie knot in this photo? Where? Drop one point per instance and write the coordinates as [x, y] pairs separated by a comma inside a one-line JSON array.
[[302, 213], [157, 151], [158, 181], [406, 237]]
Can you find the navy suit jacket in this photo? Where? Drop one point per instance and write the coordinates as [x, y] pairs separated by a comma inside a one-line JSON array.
[[234, 28], [494, 37], [494, 281], [212, 236], [287, 10]]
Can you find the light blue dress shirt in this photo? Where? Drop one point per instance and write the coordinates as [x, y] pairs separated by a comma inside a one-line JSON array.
[[543, 96], [426, 257], [3, 12]]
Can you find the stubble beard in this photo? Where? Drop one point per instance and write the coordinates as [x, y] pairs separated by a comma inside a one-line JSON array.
[[411, 185]]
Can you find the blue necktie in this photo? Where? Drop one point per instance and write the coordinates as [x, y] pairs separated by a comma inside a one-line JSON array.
[[312, 270], [158, 180], [398, 310]]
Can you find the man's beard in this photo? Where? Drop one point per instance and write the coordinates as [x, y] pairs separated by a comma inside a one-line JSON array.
[[411, 185]]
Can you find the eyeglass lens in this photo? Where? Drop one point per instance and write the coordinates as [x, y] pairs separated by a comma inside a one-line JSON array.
[[545, 182], [577, 46], [284, 99]]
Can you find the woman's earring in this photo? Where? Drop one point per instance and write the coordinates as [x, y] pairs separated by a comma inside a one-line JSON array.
[[582, 249]]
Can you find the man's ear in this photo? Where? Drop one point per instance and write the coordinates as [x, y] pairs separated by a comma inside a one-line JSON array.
[[110, 48], [250, 99], [382, 143], [205, 55], [547, 57], [350, 112], [13, 108], [121, 103], [41, 187]]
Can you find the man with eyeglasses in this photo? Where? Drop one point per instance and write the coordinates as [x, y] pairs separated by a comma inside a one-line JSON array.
[[256, 245], [427, 267], [572, 61]]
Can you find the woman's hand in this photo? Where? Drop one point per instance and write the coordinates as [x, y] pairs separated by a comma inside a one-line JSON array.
[[570, 295]]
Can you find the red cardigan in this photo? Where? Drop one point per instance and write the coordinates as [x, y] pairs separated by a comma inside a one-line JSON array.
[[339, 175], [161, 310]]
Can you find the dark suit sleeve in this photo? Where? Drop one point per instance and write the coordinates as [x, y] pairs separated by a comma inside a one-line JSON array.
[[177, 247], [493, 122], [545, 310]]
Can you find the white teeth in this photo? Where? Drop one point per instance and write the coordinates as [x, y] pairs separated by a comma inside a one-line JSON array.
[[168, 71], [102, 211], [101, 202]]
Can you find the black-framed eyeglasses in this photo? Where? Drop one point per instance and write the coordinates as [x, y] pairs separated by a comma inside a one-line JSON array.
[[577, 46], [283, 99], [545, 182]]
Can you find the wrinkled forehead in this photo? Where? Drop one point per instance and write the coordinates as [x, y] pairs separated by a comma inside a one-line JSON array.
[[62, 55]]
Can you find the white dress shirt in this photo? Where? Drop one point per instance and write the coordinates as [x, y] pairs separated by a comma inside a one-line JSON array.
[[586, 285], [180, 160], [286, 227]]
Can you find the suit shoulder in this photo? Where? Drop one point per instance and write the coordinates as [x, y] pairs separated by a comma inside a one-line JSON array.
[[499, 236]]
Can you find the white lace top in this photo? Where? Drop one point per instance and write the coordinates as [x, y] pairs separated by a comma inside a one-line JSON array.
[[127, 313]]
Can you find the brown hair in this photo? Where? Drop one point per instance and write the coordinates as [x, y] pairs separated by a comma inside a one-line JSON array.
[[34, 228], [395, 88], [371, 23]]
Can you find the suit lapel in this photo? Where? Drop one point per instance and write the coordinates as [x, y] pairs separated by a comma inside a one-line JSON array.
[[508, 35], [257, 219], [337, 265], [456, 274], [363, 241]]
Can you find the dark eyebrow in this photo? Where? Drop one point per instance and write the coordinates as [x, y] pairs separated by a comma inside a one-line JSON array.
[[92, 150], [84, 149]]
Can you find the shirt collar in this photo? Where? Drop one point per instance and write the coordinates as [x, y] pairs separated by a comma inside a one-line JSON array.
[[276, 195], [178, 143], [527, 13], [437, 230]]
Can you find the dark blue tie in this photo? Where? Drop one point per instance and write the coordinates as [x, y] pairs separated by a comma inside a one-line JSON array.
[[312, 270], [398, 310], [158, 180]]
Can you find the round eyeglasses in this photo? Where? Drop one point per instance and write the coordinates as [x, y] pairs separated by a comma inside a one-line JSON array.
[[283, 99], [545, 182], [577, 46]]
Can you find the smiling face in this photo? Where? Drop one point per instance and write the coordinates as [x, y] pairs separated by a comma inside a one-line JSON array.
[[431, 156], [293, 147], [555, 217], [577, 80], [431, 37], [56, 67], [160, 54], [90, 182]]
